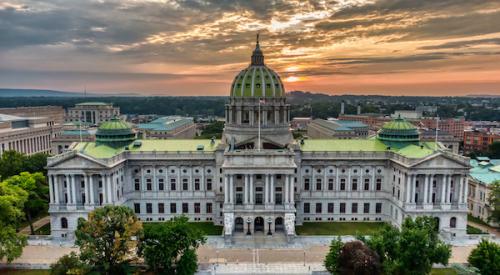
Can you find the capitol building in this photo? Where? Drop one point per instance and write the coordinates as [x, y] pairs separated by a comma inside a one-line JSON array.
[[258, 179]]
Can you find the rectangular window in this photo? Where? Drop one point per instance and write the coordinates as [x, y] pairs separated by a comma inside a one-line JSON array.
[[318, 184], [366, 208], [367, 184], [137, 208], [354, 208], [197, 207], [173, 208], [137, 185], [209, 208], [161, 185], [342, 184], [307, 209], [149, 186], [197, 184], [379, 184], [378, 208], [330, 207], [185, 208], [209, 184], [342, 207], [161, 208], [149, 208], [330, 184], [318, 208], [306, 184], [172, 185], [354, 184], [184, 184]]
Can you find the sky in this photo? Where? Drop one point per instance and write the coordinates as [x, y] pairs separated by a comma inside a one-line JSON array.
[[196, 47]]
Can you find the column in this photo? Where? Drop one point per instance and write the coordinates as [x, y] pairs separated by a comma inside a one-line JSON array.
[[337, 183], [56, 188], [349, 186], [287, 192], [73, 189], [414, 187], [448, 189], [143, 181], [272, 188], [155, 187], [109, 190], [230, 111], [251, 117], [266, 187], [325, 182], [292, 191], [202, 180], [252, 189], [231, 189], [91, 190], [226, 189], [460, 189], [426, 189], [466, 188], [408, 188], [373, 184], [190, 185], [443, 188], [51, 189], [246, 197], [86, 189]]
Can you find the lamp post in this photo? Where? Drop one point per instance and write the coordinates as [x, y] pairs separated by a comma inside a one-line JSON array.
[[248, 222], [269, 221]]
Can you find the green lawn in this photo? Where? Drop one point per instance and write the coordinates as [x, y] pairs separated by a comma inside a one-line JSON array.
[[443, 271], [208, 227], [474, 230], [44, 230], [476, 220], [338, 228]]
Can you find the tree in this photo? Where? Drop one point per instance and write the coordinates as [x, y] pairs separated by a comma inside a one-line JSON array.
[[357, 258], [69, 264], [12, 200], [35, 163], [11, 164], [494, 201], [494, 150], [170, 247], [108, 240], [331, 259], [486, 257], [412, 250], [38, 194]]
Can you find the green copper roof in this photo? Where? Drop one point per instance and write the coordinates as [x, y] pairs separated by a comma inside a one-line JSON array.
[[405, 149], [399, 130], [103, 151], [485, 173], [93, 104], [115, 131], [257, 80]]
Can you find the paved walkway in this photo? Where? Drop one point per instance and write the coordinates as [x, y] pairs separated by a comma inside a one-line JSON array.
[[485, 228], [36, 225]]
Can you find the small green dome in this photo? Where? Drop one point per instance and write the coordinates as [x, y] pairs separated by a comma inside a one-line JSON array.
[[115, 131], [399, 130], [257, 80]]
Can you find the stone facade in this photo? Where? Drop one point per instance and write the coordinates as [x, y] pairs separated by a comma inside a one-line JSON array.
[[92, 113]]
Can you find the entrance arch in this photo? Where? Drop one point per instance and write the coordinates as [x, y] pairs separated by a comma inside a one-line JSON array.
[[258, 224], [278, 224], [239, 224]]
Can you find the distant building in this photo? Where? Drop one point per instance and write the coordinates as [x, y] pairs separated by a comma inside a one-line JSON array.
[[92, 112], [373, 120], [478, 141], [54, 114], [66, 137], [168, 127], [448, 140], [407, 114], [300, 123], [342, 129], [454, 126], [483, 173], [27, 135]]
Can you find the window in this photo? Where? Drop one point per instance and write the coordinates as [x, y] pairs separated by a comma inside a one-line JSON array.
[[453, 222], [149, 186], [161, 185], [318, 208], [330, 184], [330, 207], [197, 184], [306, 184], [354, 184], [342, 207], [137, 208], [342, 184], [209, 208], [137, 185], [378, 208], [149, 208], [318, 184], [307, 209], [366, 208], [173, 208], [161, 208], [209, 184], [172, 184], [354, 207], [197, 207], [184, 184], [367, 184], [185, 208], [64, 223], [379, 184]]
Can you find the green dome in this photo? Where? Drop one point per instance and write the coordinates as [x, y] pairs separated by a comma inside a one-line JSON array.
[[115, 131], [398, 130], [257, 80]]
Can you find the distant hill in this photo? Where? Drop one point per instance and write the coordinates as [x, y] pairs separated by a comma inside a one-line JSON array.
[[6, 92]]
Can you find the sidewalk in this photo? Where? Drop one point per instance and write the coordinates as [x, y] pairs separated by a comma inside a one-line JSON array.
[[36, 225]]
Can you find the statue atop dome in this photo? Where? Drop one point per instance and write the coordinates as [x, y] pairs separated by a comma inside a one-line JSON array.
[[257, 55]]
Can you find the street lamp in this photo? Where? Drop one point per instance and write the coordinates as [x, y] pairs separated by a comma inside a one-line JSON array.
[[248, 222], [269, 221]]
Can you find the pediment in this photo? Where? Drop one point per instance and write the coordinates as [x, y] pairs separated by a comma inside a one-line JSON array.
[[440, 161], [78, 162]]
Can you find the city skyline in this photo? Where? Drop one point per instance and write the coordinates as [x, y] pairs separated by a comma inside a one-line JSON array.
[[197, 47]]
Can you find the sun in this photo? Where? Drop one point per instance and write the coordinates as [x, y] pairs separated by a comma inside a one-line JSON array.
[[292, 79]]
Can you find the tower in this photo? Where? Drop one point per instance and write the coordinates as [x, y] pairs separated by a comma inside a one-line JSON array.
[[257, 115]]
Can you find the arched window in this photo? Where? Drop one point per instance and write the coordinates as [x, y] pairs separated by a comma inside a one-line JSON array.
[[453, 222], [64, 223]]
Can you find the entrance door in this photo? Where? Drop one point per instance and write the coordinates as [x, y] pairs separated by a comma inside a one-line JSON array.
[[278, 224], [259, 224]]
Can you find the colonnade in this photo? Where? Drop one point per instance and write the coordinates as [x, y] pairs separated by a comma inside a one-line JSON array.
[[28, 145], [445, 187], [279, 115], [270, 183]]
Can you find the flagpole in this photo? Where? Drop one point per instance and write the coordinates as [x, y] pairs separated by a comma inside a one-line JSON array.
[[437, 128], [259, 128]]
